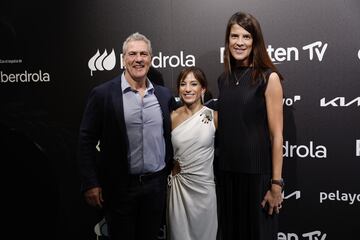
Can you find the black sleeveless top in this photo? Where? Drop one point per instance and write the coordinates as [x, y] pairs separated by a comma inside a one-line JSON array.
[[243, 132]]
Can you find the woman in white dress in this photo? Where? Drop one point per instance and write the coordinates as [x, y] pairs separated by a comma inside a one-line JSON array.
[[192, 211]]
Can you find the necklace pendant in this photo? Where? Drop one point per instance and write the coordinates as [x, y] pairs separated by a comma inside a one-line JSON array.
[[241, 76]]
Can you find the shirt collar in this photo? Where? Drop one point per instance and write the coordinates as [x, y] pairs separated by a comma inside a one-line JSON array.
[[125, 86]]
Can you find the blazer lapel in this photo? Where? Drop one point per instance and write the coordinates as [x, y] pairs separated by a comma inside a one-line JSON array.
[[164, 105], [117, 100]]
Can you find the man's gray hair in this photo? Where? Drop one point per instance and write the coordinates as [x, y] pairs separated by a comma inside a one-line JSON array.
[[137, 37]]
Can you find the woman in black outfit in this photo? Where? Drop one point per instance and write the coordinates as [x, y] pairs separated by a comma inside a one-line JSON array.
[[250, 135]]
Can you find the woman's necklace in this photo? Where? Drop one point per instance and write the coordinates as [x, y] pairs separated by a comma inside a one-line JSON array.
[[241, 76]]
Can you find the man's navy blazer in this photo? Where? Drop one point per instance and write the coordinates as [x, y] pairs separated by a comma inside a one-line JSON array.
[[103, 120]]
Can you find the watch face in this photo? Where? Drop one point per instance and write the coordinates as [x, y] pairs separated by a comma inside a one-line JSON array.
[[282, 183]]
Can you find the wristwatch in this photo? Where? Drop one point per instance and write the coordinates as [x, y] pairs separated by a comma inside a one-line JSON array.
[[279, 182]]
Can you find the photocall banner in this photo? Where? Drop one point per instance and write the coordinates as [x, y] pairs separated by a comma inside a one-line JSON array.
[[53, 53]]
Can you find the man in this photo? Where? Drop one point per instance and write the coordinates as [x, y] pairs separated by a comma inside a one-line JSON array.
[[130, 117]]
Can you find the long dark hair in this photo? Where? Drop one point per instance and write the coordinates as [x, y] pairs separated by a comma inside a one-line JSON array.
[[259, 58]]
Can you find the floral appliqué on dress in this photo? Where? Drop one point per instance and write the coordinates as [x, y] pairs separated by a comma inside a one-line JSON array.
[[207, 116]]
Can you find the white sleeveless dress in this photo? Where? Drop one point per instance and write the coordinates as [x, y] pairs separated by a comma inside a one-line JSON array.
[[192, 211]]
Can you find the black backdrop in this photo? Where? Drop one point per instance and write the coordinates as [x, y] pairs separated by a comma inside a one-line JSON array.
[[53, 52]]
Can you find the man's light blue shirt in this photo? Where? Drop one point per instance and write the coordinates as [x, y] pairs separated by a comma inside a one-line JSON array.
[[144, 124]]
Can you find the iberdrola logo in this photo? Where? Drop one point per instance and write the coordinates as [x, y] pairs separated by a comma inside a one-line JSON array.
[[101, 62]]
